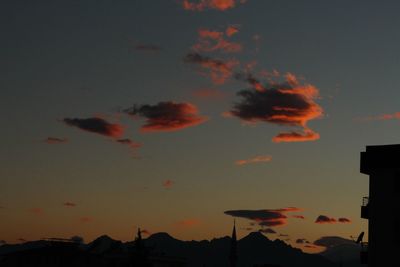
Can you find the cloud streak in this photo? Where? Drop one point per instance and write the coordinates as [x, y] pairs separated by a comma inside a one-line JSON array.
[[69, 204], [201, 5], [55, 140], [167, 116], [257, 159], [219, 70], [96, 125]]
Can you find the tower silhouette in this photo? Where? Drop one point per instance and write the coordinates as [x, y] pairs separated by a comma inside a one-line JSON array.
[[233, 251]]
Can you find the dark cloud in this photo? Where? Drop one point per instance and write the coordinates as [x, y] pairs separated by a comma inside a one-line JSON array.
[[344, 220], [219, 70], [96, 125], [265, 217], [69, 204], [325, 219], [302, 241], [167, 116], [287, 104], [148, 47], [267, 231], [332, 241], [55, 140]]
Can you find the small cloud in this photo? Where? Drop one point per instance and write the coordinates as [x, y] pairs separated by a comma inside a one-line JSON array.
[[69, 204], [96, 125], [167, 116], [344, 220], [187, 223], [209, 94], [200, 5], [86, 219], [267, 231], [257, 159], [232, 30], [219, 70], [148, 47], [283, 235], [55, 140], [298, 217], [168, 184], [129, 142], [22, 240], [322, 219]]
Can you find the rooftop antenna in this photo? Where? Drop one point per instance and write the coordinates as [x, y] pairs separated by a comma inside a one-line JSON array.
[[360, 238]]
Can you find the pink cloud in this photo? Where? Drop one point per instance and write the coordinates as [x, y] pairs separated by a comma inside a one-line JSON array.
[[168, 183]]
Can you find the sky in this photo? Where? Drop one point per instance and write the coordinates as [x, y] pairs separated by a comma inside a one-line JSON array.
[[180, 115]]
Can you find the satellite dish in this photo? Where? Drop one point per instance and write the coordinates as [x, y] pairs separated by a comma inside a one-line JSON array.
[[360, 238]]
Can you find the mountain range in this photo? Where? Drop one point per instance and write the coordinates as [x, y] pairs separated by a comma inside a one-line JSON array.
[[255, 249]]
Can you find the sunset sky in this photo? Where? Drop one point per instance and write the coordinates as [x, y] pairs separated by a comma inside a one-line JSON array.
[[179, 115]]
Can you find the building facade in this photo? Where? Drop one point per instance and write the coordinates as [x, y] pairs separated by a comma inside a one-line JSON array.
[[382, 207]]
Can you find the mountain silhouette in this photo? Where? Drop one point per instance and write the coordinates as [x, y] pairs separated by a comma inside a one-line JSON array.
[[253, 249]]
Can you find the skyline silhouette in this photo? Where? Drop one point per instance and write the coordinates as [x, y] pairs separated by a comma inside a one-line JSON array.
[[180, 116]]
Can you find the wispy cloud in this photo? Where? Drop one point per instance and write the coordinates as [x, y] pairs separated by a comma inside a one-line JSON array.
[[96, 125], [213, 40], [69, 204], [129, 142], [344, 220], [219, 70], [167, 116], [383, 117], [200, 5], [257, 159], [298, 217], [55, 140]]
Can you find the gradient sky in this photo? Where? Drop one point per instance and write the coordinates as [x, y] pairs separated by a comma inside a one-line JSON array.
[[96, 59]]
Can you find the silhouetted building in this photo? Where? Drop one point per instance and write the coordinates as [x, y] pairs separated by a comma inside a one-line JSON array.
[[233, 251], [382, 206]]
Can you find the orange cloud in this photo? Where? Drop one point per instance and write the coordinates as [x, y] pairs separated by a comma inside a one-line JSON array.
[[201, 5], [257, 159], [307, 135], [188, 223], [289, 104], [231, 30], [55, 140], [168, 183], [210, 41], [167, 116], [96, 125], [219, 70]]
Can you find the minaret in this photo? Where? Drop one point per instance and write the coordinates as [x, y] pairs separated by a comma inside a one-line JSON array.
[[233, 251]]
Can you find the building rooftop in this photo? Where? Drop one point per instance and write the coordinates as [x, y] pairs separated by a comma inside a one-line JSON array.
[[380, 157]]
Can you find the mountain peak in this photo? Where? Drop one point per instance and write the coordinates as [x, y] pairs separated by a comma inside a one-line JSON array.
[[256, 236]]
